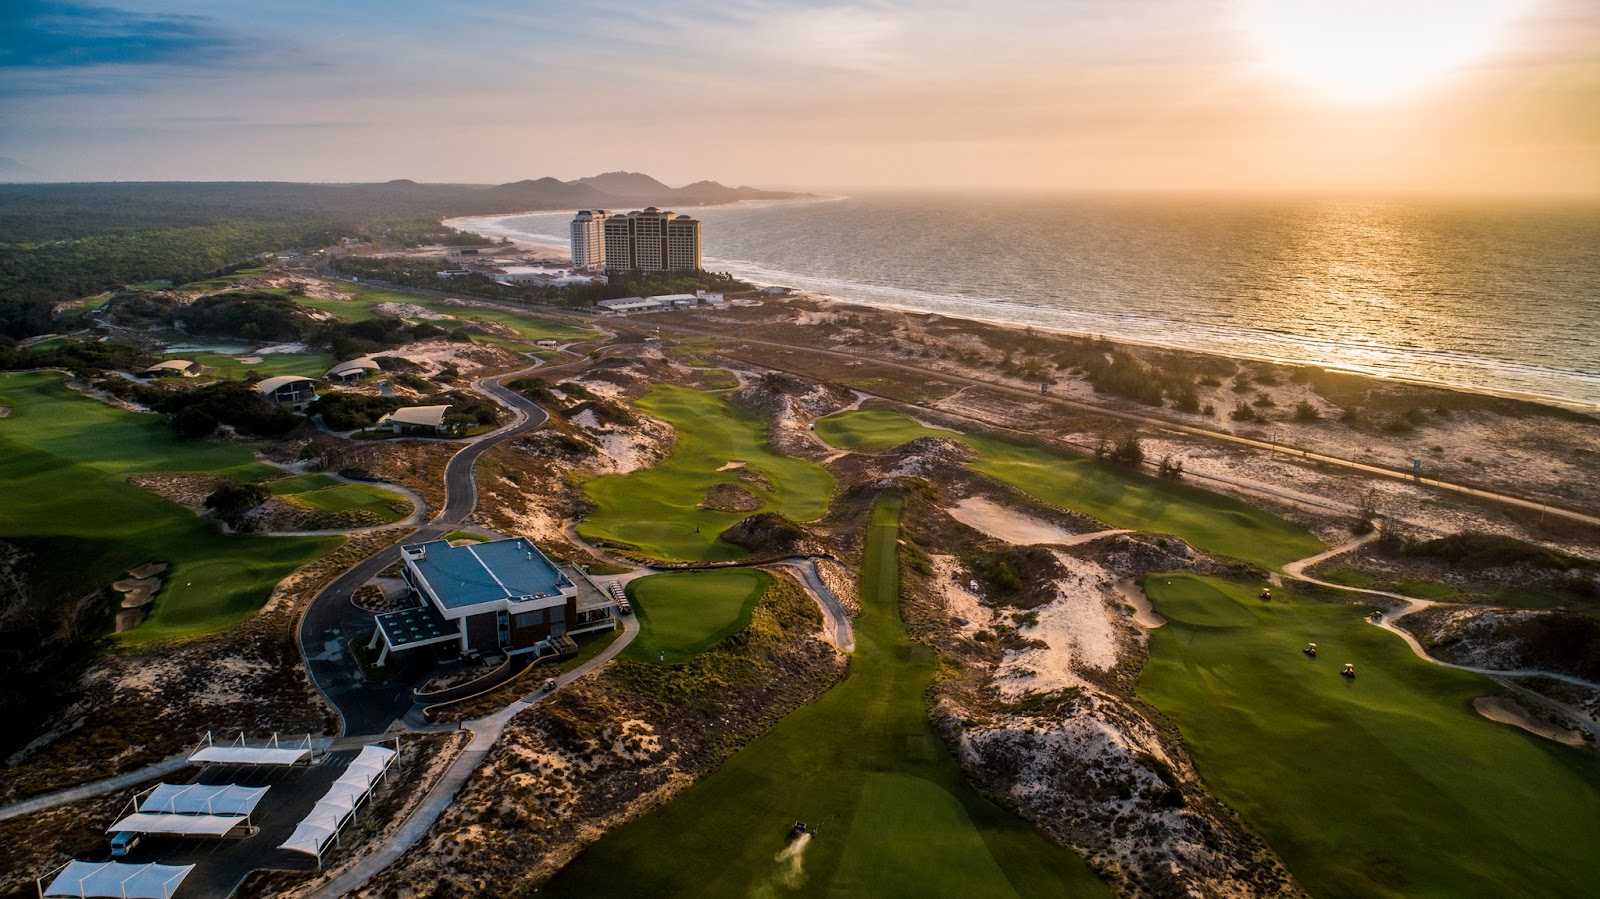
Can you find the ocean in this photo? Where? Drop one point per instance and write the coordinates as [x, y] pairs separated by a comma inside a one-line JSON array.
[[1500, 296]]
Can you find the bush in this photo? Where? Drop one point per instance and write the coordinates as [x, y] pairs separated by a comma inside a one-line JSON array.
[[1305, 410], [1242, 412], [233, 501], [193, 423], [1128, 450]]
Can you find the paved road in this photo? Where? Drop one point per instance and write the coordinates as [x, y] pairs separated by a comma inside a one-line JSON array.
[[1170, 426], [485, 731], [331, 619]]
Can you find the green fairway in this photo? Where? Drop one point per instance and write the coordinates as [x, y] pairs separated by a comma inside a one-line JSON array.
[[657, 509], [893, 814], [1388, 784], [1123, 499], [527, 325], [305, 365], [685, 613], [323, 493], [63, 458]]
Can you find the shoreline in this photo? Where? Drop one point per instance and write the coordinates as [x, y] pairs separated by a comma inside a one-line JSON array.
[[978, 304]]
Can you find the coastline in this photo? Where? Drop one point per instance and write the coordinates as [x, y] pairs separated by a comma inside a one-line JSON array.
[[1232, 343]]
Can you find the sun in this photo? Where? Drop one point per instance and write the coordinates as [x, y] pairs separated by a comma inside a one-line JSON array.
[[1363, 50]]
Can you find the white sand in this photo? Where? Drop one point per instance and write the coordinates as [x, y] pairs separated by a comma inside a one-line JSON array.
[[1078, 631], [1506, 711], [1144, 614]]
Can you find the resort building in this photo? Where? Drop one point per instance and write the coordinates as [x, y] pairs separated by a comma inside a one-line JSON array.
[[501, 596], [352, 371], [424, 421], [289, 390], [172, 368], [589, 240], [652, 241], [662, 301]]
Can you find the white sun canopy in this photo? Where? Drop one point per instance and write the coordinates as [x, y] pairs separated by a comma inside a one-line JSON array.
[[115, 880], [202, 799], [178, 825], [329, 815], [251, 755]]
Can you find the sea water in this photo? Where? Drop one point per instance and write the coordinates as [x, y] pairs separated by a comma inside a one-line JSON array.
[[1496, 295]]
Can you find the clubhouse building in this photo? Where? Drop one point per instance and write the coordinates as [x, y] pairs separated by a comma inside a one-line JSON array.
[[501, 596]]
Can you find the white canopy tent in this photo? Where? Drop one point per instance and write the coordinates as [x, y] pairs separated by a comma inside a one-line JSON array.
[[115, 880], [335, 809], [202, 799], [179, 825], [273, 752]]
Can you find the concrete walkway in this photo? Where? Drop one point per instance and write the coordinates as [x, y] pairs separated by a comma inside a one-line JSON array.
[[94, 788], [835, 620], [485, 731]]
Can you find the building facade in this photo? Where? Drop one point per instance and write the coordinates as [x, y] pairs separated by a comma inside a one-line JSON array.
[[650, 240], [589, 240]]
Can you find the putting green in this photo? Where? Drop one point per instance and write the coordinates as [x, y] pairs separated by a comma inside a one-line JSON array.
[[1388, 784], [63, 458], [321, 492], [894, 815], [1123, 499], [657, 509], [684, 613], [306, 365]]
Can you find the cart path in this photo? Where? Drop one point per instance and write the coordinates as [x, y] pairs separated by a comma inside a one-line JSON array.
[[1295, 570], [95, 787], [485, 731], [836, 627]]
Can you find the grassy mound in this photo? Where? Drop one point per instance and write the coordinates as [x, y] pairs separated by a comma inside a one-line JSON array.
[[63, 458], [1118, 497], [893, 814], [685, 613], [658, 510], [1388, 784]]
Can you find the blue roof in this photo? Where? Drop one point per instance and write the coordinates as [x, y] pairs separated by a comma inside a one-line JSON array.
[[477, 573]]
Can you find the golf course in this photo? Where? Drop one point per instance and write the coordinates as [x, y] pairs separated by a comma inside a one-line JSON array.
[[1385, 784], [527, 326], [861, 767], [320, 492], [64, 458], [684, 613], [1120, 498], [658, 510]]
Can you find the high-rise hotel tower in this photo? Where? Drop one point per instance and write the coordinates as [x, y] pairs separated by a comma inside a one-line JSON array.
[[589, 240], [646, 241]]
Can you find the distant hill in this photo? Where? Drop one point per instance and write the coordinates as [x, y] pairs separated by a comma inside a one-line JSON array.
[[14, 172], [40, 212]]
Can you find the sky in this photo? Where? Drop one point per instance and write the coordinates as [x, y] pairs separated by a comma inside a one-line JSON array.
[[1499, 96]]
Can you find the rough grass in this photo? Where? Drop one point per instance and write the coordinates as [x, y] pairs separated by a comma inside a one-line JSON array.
[[1389, 784], [63, 458], [657, 510], [325, 494], [684, 613], [1120, 498], [893, 814]]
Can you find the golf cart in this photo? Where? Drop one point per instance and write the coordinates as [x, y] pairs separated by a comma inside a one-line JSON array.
[[1310, 650]]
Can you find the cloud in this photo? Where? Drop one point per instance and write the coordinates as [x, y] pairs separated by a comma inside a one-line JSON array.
[[68, 36]]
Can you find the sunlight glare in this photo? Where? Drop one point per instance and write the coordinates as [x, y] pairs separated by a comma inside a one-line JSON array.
[[1358, 50]]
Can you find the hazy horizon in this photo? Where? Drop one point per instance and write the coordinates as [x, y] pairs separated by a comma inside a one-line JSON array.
[[1364, 97]]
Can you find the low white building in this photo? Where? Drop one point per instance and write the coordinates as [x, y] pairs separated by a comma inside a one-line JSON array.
[[352, 371], [629, 304], [418, 420]]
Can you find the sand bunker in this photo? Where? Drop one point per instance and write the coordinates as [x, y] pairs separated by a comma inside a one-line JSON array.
[[1144, 614], [1015, 527], [730, 466], [249, 360], [1507, 711]]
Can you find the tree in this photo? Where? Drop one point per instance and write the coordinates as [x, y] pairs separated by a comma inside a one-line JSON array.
[[1128, 450], [232, 502], [194, 423], [1171, 468]]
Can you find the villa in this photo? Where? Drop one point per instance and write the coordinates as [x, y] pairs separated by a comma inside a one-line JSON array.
[[289, 390], [172, 368], [352, 371], [420, 421], [500, 596]]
